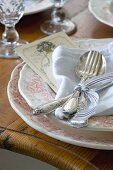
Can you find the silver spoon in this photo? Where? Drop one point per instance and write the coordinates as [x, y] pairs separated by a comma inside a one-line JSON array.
[[93, 66]]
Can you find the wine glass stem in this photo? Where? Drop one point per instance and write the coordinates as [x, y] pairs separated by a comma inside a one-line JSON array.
[[10, 35], [57, 14]]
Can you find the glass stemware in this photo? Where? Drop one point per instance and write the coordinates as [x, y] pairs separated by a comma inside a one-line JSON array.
[[10, 13], [58, 21]]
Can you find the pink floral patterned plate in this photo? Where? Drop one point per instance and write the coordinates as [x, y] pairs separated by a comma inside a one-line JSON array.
[[98, 140], [32, 88]]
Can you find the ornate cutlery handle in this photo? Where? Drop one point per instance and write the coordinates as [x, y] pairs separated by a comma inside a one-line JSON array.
[[52, 105]]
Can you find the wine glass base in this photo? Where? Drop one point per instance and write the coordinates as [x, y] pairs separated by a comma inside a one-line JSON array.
[[67, 26], [8, 50]]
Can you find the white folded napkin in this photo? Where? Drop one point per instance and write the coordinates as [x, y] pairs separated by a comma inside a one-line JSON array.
[[64, 63]]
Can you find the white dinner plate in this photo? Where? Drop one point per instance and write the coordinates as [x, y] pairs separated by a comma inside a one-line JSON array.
[[102, 10], [35, 6], [103, 140]]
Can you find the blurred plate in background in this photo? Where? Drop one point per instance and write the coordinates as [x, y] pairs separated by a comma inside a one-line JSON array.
[[102, 10], [35, 6]]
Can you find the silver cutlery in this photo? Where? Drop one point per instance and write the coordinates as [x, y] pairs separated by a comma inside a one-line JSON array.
[[52, 105]]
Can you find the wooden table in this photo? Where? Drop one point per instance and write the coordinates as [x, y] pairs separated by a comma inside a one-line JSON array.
[[17, 136]]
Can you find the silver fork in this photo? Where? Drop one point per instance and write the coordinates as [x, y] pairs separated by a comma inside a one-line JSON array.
[[92, 68]]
